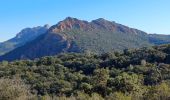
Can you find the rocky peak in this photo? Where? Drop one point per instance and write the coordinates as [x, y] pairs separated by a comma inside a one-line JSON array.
[[100, 20], [68, 24], [102, 23], [70, 19], [47, 26], [32, 32]]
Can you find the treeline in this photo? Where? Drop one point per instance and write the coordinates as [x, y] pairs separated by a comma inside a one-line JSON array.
[[139, 74]]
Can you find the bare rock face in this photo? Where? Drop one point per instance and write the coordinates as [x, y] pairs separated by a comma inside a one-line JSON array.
[[73, 23], [69, 24]]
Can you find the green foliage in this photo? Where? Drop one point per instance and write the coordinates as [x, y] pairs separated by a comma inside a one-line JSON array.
[[14, 89], [118, 96], [158, 92], [141, 74], [128, 83]]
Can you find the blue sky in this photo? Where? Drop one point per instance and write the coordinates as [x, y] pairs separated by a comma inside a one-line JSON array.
[[152, 16]]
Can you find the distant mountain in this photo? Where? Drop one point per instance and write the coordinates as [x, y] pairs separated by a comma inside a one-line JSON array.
[[74, 35], [159, 39], [26, 35]]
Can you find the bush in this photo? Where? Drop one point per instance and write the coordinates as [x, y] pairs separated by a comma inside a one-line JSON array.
[[14, 89]]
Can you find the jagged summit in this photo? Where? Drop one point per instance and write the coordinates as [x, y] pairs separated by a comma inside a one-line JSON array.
[[71, 19], [28, 32], [71, 23], [68, 24]]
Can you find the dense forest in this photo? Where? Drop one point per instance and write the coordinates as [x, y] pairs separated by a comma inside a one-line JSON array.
[[138, 74]]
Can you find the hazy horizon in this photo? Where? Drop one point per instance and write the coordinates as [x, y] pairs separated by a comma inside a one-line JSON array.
[[149, 16]]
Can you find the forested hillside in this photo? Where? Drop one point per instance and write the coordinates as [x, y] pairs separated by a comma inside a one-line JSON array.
[[138, 74]]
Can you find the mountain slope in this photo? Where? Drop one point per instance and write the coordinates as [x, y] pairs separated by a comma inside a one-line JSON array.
[[41, 46], [159, 39], [26, 35], [74, 35], [100, 35]]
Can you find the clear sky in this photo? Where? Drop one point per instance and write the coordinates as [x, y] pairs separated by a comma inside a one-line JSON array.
[[152, 16]]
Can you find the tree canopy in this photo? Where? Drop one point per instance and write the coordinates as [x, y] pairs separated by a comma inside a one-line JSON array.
[[139, 74]]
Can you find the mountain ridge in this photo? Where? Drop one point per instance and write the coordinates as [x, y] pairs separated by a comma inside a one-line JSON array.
[[74, 35], [24, 36]]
